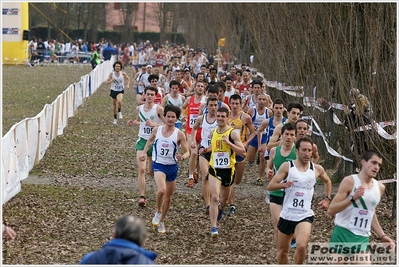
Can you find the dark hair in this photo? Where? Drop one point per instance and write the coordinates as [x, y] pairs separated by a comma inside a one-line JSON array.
[[228, 78], [153, 76], [301, 120], [172, 108], [235, 97], [239, 71], [117, 62], [225, 110], [199, 73], [213, 89], [211, 99], [294, 105], [174, 82], [303, 139], [211, 69], [288, 127], [131, 228], [278, 101], [368, 154], [221, 85], [151, 88], [257, 82]]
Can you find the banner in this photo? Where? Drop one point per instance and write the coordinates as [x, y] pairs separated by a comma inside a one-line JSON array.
[[221, 41]]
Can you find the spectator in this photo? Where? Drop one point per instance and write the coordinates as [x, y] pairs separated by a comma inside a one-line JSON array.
[[358, 115], [125, 247], [108, 51]]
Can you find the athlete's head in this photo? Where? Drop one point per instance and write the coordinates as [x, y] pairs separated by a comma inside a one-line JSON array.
[[117, 63], [371, 163], [294, 110], [172, 109], [301, 127], [304, 148]]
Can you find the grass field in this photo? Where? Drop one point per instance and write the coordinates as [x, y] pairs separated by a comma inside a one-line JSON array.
[[87, 179]]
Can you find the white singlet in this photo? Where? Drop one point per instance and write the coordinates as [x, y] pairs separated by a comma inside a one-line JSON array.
[[165, 148], [145, 131], [297, 203], [207, 129], [357, 217]]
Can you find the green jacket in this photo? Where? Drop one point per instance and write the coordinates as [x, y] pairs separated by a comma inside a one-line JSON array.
[[95, 56]]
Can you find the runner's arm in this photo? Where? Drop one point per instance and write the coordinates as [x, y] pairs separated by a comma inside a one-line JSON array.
[[237, 146], [315, 154], [251, 129], [127, 78], [324, 203], [341, 201], [261, 128], [282, 173], [270, 167], [273, 141]]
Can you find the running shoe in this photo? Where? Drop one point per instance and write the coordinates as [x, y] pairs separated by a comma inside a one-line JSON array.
[[161, 228], [214, 232], [196, 176], [259, 182], [155, 220], [232, 210], [114, 122], [220, 213], [120, 115], [293, 243], [142, 202], [190, 183]]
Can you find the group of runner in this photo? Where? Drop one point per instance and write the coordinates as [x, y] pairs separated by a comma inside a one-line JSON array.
[[219, 124]]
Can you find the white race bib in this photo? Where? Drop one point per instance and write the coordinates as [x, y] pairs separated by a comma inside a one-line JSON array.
[[221, 160], [193, 119], [147, 130], [360, 220], [118, 87], [298, 202]]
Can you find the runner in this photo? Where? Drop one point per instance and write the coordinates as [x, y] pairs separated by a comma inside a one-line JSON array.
[[297, 215], [278, 155], [207, 123], [117, 78], [258, 114], [149, 115], [240, 120], [226, 143], [302, 129], [167, 139], [355, 202], [175, 99], [192, 104], [294, 111]]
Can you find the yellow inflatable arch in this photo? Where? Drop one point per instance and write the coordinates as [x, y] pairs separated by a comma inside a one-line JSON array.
[[15, 20]]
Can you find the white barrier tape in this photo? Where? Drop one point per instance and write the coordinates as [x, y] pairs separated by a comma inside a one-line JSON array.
[[293, 93], [383, 133], [336, 119], [311, 101], [388, 181], [377, 126], [383, 124], [330, 150]]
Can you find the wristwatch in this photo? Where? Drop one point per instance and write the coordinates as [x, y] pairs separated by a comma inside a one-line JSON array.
[[352, 199], [329, 198]]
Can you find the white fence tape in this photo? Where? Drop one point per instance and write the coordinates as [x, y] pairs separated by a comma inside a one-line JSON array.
[[25, 144]]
